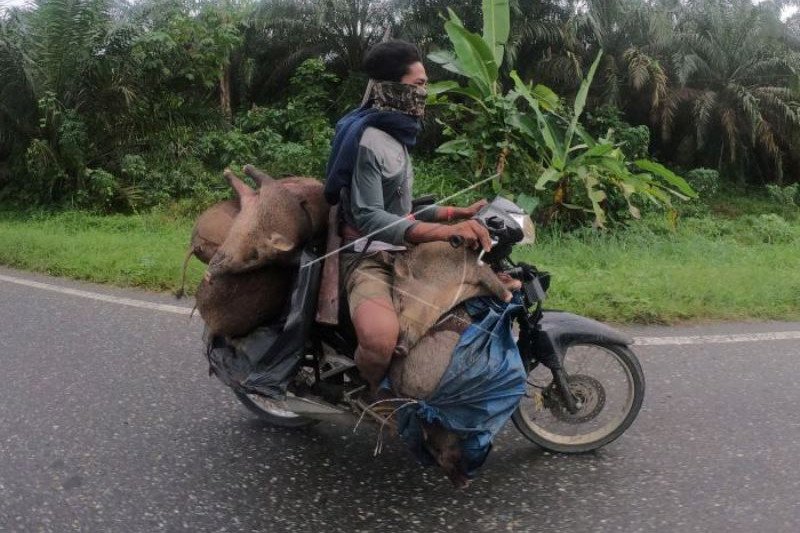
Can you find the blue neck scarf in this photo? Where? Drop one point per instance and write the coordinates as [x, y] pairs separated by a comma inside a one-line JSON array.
[[347, 137]]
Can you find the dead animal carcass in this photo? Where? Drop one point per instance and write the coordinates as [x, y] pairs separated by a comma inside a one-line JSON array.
[[236, 300]]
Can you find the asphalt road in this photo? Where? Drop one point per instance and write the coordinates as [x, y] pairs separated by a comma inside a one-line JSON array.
[[109, 422]]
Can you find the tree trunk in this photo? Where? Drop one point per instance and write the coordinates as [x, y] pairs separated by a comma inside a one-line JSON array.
[[225, 93]]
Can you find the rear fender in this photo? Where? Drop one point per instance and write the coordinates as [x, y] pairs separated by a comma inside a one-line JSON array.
[[557, 331]]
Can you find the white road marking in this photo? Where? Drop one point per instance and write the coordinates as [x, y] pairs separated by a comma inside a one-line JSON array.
[[717, 339], [638, 341], [97, 296]]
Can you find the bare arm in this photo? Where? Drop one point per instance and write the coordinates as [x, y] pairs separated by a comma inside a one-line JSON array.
[[446, 213], [472, 231]]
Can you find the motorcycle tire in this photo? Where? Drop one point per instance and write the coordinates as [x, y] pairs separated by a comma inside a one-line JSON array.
[[588, 388], [273, 415]]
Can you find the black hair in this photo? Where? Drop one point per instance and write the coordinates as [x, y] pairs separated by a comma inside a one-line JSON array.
[[389, 61]]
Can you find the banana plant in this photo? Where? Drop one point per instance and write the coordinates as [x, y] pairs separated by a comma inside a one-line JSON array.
[[542, 136], [575, 160], [476, 57], [490, 137]]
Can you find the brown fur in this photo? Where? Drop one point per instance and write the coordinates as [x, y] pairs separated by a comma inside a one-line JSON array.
[[311, 194], [432, 278], [445, 447], [272, 224], [208, 233], [234, 304], [417, 375]]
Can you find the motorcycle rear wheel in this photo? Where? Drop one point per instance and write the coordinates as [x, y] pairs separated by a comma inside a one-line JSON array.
[[266, 410], [607, 380]]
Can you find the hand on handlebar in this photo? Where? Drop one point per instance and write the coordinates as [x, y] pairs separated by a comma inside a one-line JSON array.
[[472, 210], [470, 232]]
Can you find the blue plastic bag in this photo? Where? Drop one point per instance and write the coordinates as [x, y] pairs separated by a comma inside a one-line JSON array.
[[479, 391]]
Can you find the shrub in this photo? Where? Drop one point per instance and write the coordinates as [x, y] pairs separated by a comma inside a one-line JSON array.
[[442, 178], [771, 228], [606, 121], [220, 149], [786, 196], [290, 139], [133, 167], [705, 181], [101, 192]]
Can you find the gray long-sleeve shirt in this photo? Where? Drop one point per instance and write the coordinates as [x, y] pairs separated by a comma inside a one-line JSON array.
[[379, 196]]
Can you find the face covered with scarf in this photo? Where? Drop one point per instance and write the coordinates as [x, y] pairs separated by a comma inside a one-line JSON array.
[[401, 97]]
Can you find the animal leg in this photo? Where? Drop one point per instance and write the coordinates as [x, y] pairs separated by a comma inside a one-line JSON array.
[[181, 292], [488, 278], [416, 316]]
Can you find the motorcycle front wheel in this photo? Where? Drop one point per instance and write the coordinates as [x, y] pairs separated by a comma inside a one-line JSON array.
[[608, 383], [271, 413]]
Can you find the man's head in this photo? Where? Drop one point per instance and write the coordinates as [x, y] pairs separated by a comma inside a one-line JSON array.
[[396, 61], [400, 78]]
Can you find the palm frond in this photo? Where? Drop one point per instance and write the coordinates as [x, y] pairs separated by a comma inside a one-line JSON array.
[[748, 103], [767, 139], [665, 114], [730, 131], [660, 84], [638, 68], [703, 107]]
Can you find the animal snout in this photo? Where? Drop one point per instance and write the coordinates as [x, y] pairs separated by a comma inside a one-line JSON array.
[[217, 264], [445, 448]]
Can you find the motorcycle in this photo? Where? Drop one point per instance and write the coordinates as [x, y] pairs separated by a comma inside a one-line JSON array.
[[585, 385]]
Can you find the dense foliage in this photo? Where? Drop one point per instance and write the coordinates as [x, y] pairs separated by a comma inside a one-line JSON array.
[[114, 105]]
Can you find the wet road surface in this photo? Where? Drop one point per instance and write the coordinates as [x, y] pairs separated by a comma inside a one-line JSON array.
[[109, 422]]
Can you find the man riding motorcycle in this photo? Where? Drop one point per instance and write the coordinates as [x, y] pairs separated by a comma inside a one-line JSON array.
[[370, 175], [463, 376]]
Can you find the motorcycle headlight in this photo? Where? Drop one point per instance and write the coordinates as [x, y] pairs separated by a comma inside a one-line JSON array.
[[528, 228]]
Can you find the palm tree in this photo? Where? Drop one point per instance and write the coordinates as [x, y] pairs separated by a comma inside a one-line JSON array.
[[17, 98], [735, 104], [57, 83], [537, 31], [284, 33], [632, 36]]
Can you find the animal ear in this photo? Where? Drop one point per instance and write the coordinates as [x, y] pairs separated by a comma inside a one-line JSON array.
[[242, 189], [308, 216], [258, 176], [280, 243]]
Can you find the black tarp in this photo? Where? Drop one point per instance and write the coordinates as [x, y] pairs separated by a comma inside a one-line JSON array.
[[265, 360]]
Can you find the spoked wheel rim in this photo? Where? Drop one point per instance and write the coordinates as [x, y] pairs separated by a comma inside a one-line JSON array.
[[602, 383]]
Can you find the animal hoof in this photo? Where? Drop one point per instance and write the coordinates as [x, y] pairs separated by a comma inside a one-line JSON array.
[[401, 350]]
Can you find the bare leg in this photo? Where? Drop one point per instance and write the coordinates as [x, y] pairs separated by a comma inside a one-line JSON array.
[[376, 325]]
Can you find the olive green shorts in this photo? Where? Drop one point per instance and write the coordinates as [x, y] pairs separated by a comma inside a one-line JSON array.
[[366, 277]]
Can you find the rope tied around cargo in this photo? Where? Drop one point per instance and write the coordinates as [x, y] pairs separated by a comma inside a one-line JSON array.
[[384, 419]]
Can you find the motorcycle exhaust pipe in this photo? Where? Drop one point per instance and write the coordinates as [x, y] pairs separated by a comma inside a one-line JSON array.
[[316, 410]]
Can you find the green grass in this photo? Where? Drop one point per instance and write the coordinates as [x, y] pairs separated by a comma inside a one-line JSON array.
[[748, 268], [127, 250], [745, 267]]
